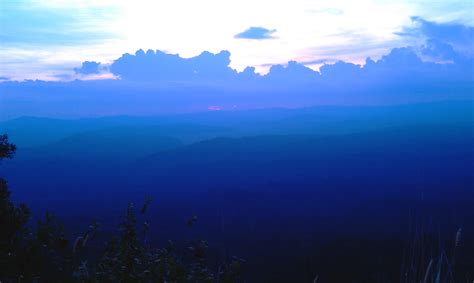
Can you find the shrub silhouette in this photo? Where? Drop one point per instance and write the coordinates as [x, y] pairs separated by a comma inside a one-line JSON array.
[[6, 148], [45, 254]]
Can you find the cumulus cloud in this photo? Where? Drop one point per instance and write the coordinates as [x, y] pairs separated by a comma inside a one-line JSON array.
[[257, 33], [158, 65], [88, 68], [291, 73], [402, 67], [440, 50], [439, 36], [453, 33]]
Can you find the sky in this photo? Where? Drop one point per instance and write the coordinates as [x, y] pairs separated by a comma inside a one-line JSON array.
[[46, 40]]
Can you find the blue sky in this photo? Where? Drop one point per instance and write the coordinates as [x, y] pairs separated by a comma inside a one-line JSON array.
[[48, 39]]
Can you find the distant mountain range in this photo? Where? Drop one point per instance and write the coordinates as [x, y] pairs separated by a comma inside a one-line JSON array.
[[256, 179]]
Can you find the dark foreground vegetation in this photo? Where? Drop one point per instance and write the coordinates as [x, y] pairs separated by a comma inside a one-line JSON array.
[[45, 254]]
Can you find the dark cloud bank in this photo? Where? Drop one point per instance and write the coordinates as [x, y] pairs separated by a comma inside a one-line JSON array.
[[154, 82]]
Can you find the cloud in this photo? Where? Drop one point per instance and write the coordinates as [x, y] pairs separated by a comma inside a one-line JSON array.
[[88, 68], [452, 33], [257, 33], [317, 61], [155, 82], [158, 65], [32, 23], [291, 73], [440, 50], [340, 69], [439, 36]]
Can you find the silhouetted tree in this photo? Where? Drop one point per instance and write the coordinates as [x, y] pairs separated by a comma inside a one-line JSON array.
[[12, 220], [6, 148]]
